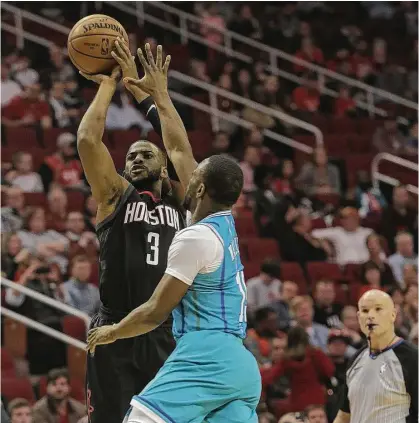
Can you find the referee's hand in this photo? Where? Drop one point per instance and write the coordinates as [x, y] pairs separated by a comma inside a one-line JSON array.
[[100, 336]]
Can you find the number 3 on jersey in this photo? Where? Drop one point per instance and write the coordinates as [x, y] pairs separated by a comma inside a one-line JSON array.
[[153, 240]]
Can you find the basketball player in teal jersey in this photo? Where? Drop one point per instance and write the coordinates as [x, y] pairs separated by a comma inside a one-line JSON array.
[[210, 377]]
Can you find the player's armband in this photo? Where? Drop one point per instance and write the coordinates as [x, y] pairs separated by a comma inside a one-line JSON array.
[[148, 107]]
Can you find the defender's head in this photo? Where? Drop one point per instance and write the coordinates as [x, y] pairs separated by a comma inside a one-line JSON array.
[[145, 164], [217, 181]]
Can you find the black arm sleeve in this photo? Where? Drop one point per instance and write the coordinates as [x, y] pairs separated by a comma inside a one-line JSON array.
[[148, 108], [407, 354], [344, 401]]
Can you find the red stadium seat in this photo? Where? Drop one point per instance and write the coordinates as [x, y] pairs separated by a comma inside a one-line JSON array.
[[7, 364], [318, 270], [17, 388], [75, 327], [261, 248], [36, 199], [343, 125], [341, 291], [122, 140], [250, 270], [49, 138], [333, 199], [75, 201], [353, 271], [21, 138], [291, 271], [318, 223], [245, 226]]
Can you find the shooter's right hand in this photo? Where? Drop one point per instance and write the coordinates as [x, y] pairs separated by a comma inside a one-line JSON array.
[[112, 79]]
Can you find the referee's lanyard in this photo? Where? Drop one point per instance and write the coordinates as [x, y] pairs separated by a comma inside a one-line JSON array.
[[390, 347]]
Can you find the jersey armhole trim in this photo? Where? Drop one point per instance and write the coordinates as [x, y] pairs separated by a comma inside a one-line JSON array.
[[213, 231], [122, 201]]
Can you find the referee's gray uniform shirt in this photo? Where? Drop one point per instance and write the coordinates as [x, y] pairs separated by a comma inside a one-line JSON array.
[[383, 388]]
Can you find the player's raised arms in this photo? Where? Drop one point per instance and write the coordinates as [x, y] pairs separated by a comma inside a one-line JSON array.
[[175, 137], [107, 186]]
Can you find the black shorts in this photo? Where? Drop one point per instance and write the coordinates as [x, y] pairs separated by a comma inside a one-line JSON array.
[[120, 370]]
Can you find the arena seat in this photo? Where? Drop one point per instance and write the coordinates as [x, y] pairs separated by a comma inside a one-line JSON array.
[[76, 362], [341, 291], [49, 138], [261, 248], [319, 270], [245, 226], [122, 140], [17, 388], [75, 201], [75, 327], [250, 270], [318, 223], [353, 271], [7, 364], [333, 199], [21, 139], [14, 337], [291, 271], [36, 199]]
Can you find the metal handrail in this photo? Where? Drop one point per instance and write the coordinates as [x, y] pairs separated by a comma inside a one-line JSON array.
[[53, 333], [214, 90], [275, 53], [46, 300], [238, 121], [228, 51], [377, 176]]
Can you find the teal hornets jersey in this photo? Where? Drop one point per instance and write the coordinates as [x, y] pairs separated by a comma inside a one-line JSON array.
[[216, 301]]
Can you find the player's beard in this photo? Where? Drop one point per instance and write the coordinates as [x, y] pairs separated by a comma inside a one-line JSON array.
[[147, 182]]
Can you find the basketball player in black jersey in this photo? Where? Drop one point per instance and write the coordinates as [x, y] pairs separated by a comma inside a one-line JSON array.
[[137, 217]]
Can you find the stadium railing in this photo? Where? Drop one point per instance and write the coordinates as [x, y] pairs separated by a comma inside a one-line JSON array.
[[214, 92], [378, 177], [142, 12], [50, 302]]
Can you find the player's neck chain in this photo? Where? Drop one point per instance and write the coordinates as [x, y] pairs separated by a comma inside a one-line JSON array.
[[375, 354]]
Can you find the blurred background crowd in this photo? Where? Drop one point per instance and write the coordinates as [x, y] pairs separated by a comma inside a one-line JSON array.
[[315, 232]]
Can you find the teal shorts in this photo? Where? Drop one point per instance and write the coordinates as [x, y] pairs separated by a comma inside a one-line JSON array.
[[210, 377]]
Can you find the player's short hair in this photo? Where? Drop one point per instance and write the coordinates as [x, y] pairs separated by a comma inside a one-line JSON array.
[[223, 179], [55, 374], [17, 403]]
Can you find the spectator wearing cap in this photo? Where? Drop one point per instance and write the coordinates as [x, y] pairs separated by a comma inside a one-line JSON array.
[[78, 292], [288, 291], [57, 405], [404, 255], [349, 239], [264, 289], [9, 88], [22, 174], [62, 167], [319, 176], [326, 310], [307, 367], [27, 109], [20, 411]]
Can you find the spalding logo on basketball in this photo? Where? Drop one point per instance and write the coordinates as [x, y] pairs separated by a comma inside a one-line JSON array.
[[90, 43]]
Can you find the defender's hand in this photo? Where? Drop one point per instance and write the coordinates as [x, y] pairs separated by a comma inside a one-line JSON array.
[[100, 336], [154, 81], [100, 78]]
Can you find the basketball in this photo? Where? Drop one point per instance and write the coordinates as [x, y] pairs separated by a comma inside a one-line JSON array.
[[90, 43]]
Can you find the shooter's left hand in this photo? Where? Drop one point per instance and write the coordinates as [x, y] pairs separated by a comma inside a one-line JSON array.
[[100, 336]]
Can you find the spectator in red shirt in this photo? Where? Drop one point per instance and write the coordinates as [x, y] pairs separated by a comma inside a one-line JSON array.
[[27, 109], [306, 98], [308, 52], [363, 64], [344, 104], [62, 167], [306, 367]]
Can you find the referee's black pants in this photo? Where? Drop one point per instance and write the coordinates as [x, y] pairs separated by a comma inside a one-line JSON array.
[[120, 370]]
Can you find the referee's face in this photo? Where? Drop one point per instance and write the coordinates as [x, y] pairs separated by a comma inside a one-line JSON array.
[[376, 313]]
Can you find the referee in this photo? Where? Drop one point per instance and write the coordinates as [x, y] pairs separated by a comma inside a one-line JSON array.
[[382, 378]]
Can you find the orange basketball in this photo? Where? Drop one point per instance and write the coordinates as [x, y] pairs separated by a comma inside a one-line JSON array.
[[90, 43]]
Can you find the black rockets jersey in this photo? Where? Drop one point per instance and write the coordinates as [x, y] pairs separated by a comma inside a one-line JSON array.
[[134, 244]]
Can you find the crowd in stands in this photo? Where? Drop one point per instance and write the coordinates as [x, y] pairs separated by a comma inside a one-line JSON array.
[[329, 241]]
